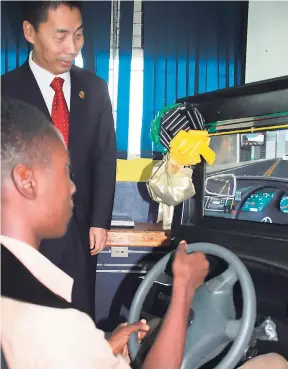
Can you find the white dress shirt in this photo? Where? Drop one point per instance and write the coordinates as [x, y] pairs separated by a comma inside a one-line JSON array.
[[40, 337], [44, 79]]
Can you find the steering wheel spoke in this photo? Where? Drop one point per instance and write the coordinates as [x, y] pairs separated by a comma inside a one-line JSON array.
[[202, 351], [233, 328], [224, 282]]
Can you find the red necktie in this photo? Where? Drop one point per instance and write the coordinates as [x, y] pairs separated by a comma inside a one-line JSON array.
[[60, 113]]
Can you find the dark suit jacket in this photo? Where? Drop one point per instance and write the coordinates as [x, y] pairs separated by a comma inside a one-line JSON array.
[[92, 144]]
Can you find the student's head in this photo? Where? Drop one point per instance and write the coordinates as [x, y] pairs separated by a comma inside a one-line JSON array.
[[56, 31], [36, 187]]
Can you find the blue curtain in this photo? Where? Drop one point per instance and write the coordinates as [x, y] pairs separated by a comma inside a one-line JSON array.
[[190, 47], [96, 49], [14, 48], [125, 56]]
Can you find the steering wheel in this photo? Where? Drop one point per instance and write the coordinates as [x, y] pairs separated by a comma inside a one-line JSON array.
[[272, 208], [214, 323]]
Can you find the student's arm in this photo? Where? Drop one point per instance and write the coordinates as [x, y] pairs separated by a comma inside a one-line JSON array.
[[189, 273]]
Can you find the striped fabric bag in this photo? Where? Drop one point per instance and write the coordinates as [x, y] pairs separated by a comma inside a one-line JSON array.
[[182, 117]]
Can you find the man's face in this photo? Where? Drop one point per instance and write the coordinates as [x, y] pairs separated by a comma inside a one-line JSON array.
[[54, 194], [57, 41]]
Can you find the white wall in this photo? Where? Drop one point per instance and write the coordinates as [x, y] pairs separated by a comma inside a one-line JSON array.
[[267, 54], [267, 40]]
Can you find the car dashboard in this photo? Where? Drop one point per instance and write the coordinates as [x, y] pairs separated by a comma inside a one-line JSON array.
[[224, 206]]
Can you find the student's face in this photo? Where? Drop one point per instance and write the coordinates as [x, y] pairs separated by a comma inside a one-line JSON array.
[[54, 194], [57, 41]]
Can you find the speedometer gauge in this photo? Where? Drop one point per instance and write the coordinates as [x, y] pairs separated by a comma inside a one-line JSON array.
[[258, 201], [284, 204]]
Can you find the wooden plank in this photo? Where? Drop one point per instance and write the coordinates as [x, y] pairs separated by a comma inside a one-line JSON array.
[[143, 234]]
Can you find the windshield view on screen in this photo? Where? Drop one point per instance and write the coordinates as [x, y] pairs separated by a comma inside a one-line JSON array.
[[249, 179]]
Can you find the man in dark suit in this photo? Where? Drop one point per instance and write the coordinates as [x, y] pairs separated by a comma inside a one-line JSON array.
[[78, 104]]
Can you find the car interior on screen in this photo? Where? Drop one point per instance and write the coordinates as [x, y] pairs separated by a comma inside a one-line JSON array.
[[239, 217], [245, 181]]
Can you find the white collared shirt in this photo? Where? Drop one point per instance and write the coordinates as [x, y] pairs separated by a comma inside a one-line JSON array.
[[44, 79], [40, 337]]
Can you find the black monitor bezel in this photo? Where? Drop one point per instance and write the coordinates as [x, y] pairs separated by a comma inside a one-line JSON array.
[[260, 98]]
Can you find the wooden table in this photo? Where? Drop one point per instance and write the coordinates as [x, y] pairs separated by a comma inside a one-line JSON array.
[[142, 235]]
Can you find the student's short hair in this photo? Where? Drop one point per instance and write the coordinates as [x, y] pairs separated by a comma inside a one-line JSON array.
[[36, 12], [27, 135]]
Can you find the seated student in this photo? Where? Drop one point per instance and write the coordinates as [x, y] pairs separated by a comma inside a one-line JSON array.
[[39, 329]]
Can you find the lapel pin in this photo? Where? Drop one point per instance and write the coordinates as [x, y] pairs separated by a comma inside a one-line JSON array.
[[81, 94]]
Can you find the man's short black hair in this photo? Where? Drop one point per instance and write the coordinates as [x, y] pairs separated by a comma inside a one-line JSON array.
[[27, 135], [36, 12]]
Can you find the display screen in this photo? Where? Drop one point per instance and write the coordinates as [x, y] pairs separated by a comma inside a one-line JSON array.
[[252, 139], [249, 178]]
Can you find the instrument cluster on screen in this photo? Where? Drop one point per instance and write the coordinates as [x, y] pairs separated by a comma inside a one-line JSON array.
[[255, 203]]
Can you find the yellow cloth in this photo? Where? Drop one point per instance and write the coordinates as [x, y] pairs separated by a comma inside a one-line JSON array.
[[186, 148]]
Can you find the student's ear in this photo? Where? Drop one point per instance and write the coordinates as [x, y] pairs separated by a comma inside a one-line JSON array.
[[24, 181]]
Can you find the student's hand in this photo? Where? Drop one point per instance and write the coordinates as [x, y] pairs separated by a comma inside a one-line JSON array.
[[189, 270], [120, 337], [98, 239]]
